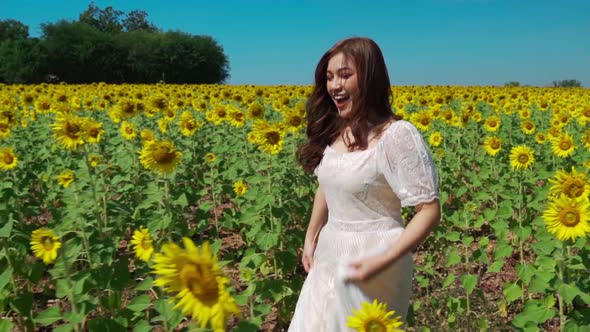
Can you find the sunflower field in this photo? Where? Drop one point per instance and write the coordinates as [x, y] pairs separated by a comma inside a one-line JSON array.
[[182, 208]]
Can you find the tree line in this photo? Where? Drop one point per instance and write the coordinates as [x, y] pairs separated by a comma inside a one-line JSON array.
[[108, 45], [556, 84]]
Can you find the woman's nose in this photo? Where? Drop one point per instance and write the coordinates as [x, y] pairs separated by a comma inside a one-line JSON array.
[[336, 83]]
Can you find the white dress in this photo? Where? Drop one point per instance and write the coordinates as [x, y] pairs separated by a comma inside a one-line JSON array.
[[365, 191]]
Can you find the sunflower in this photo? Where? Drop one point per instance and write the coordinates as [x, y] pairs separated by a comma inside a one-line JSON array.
[[147, 135], [93, 130], [126, 108], [268, 137], [8, 159], [169, 115], [194, 276], [69, 130], [572, 185], [240, 188], [563, 146], [45, 244], [293, 120], [521, 157], [585, 139], [142, 244], [541, 138], [4, 129], [435, 139], [568, 218], [236, 117], [162, 125], [422, 120], [492, 145], [374, 317], [218, 114], [43, 104], [553, 132], [94, 159], [210, 157], [66, 178], [492, 123], [527, 127], [160, 156], [128, 130], [188, 124], [157, 103], [255, 111], [524, 113]]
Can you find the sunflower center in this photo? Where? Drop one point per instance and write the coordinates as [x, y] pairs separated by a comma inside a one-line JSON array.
[[127, 108], [221, 113], [47, 242], [492, 123], [523, 158], [495, 145], [163, 154], [8, 159], [93, 132], [295, 121], [574, 188], [146, 243], [72, 129], [201, 282], [565, 145], [238, 117], [3, 127], [528, 126], [569, 217], [272, 137], [190, 124], [375, 326], [160, 103]]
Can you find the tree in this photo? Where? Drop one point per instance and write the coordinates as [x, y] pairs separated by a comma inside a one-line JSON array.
[[567, 84], [105, 20], [136, 20], [512, 83], [101, 46], [22, 61], [13, 30]]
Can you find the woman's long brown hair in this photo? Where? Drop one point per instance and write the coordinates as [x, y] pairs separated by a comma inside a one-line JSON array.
[[371, 105]]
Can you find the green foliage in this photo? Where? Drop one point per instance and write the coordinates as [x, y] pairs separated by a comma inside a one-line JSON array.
[[567, 84], [107, 45]]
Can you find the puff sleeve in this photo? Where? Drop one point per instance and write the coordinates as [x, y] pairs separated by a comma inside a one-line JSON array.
[[407, 165]]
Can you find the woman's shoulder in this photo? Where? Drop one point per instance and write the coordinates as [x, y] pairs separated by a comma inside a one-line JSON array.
[[396, 127]]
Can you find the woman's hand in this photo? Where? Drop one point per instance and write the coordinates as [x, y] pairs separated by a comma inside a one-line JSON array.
[[366, 268], [308, 250]]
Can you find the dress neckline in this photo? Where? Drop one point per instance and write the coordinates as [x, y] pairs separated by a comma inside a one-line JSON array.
[[329, 147]]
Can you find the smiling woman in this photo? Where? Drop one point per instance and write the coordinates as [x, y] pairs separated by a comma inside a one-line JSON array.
[[369, 164]]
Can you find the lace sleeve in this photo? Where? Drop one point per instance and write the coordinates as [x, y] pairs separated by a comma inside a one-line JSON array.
[[407, 164]]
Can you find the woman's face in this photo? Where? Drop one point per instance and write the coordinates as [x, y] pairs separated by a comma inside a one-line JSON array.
[[342, 84]]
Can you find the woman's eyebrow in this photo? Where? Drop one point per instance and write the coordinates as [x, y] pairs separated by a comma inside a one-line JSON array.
[[339, 69]]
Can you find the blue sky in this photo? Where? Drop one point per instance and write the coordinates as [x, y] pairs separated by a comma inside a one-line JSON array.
[[454, 42]]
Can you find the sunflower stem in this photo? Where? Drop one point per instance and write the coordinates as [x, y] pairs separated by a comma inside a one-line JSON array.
[[12, 280], [520, 242], [562, 305], [93, 187], [72, 294]]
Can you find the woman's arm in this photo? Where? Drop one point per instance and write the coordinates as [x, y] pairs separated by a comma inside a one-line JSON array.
[[319, 217], [426, 218]]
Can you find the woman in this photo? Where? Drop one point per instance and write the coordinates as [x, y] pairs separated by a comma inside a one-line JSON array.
[[369, 165]]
